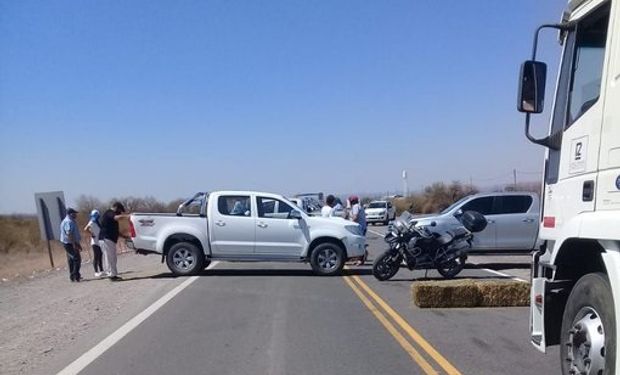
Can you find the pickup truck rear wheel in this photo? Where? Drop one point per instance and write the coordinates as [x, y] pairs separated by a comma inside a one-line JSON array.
[[327, 259], [185, 258]]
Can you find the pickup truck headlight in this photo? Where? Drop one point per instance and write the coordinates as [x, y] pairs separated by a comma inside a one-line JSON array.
[[354, 229]]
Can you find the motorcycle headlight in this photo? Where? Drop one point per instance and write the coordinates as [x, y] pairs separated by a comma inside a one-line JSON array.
[[354, 229]]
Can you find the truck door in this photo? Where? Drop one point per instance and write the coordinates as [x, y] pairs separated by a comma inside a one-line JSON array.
[[608, 187], [276, 233], [516, 222], [233, 226], [484, 240], [571, 172]]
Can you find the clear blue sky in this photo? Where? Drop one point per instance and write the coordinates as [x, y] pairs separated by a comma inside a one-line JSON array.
[[164, 98]]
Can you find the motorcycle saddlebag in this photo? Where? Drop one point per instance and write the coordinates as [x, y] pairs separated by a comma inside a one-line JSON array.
[[474, 221]]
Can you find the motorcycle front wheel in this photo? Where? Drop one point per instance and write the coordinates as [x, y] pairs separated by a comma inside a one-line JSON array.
[[452, 268], [386, 265]]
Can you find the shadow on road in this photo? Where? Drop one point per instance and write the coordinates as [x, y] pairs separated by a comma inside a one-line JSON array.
[[439, 278], [254, 273], [499, 266]]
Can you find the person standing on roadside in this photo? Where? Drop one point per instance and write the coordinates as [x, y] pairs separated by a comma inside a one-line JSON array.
[[358, 215], [109, 238], [94, 228], [70, 238], [328, 209]]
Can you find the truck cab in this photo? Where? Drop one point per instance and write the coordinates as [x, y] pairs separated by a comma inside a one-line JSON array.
[[575, 299]]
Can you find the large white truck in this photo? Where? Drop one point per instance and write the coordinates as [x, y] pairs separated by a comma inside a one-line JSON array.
[[575, 298]]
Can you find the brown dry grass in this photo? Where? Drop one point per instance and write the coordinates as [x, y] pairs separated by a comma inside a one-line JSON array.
[[22, 251], [470, 293]]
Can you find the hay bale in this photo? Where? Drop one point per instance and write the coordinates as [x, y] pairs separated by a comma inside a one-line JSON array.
[[470, 293], [448, 293], [498, 293]]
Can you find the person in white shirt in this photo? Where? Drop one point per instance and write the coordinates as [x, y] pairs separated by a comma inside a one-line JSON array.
[[94, 228], [328, 210]]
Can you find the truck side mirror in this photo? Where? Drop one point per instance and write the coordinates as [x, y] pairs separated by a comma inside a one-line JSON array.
[[294, 214], [532, 87]]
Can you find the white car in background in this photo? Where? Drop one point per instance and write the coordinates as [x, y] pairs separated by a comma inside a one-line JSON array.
[[380, 212]]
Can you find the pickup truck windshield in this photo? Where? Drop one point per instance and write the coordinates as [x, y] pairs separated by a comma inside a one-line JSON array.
[[453, 205]]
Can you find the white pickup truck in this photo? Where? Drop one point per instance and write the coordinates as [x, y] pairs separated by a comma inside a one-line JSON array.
[[245, 226]]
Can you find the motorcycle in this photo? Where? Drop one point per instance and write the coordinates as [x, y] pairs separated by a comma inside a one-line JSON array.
[[424, 247]]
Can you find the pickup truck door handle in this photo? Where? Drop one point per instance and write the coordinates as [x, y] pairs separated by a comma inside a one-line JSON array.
[[262, 225], [220, 223], [528, 220]]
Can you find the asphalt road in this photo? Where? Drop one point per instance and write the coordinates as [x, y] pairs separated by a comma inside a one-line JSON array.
[[280, 319]]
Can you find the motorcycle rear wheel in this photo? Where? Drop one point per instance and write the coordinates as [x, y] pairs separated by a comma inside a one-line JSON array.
[[386, 265], [452, 268]]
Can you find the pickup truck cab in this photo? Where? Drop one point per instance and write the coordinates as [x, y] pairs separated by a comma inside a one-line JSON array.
[[512, 219], [245, 226]]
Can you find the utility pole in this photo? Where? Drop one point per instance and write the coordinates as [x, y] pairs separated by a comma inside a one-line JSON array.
[[514, 174], [405, 187]]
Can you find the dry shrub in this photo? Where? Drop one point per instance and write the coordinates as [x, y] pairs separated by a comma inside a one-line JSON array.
[[433, 198], [470, 293], [19, 233]]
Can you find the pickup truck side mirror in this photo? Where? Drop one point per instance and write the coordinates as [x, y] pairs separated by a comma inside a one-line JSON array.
[[294, 214]]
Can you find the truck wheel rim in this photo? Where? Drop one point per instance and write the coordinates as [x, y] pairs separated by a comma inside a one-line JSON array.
[[586, 343], [183, 259], [328, 259]]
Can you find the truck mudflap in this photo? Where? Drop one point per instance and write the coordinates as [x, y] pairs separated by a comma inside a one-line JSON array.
[[537, 313]]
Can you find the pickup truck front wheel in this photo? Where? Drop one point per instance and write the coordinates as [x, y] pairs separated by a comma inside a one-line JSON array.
[[185, 258], [327, 259]]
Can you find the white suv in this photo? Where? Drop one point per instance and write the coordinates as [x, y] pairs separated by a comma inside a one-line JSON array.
[[380, 212]]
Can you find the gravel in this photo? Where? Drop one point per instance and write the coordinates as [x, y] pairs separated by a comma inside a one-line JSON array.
[[46, 318]]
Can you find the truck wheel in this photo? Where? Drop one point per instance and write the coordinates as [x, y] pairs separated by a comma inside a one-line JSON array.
[[588, 337], [327, 259], [185, 258]]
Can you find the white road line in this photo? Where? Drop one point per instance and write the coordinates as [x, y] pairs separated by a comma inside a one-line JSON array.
[[484, 269], [377, 233], [502, 274], [88, 357]]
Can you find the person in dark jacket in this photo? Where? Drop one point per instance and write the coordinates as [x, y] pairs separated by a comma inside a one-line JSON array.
[[109, 238]]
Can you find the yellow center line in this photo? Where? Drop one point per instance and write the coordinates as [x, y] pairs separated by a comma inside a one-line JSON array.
[[426, 367], [425, 345]]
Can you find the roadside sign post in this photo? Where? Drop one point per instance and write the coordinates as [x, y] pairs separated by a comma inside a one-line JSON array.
[[51, 210]]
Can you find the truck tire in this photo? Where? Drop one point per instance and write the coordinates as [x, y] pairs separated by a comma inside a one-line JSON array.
[[588, 337], [327, 259], [185, 258]]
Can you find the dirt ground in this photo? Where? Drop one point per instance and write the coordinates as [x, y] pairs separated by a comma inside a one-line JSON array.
[[45, 315]]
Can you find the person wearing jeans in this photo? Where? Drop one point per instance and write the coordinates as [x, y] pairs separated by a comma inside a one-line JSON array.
[[94, 228], [70, 238], [109, 238]]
